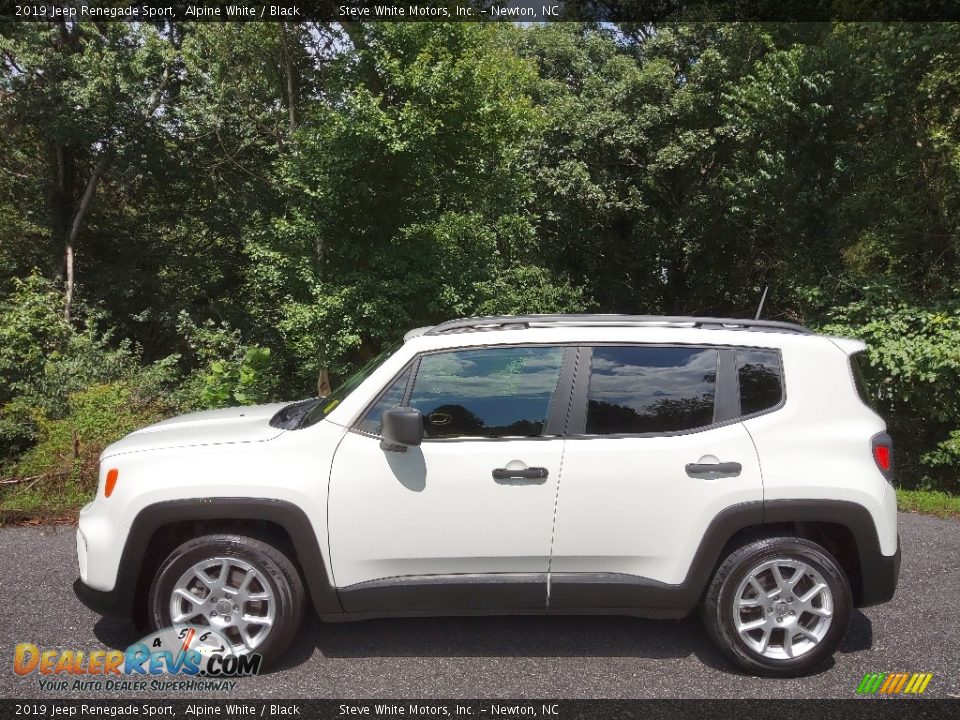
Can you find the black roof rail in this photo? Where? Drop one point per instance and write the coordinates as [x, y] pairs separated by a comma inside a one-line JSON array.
[[517, 322]]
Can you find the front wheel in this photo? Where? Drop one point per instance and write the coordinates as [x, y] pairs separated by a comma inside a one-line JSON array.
[[245, 589], [778, 606]]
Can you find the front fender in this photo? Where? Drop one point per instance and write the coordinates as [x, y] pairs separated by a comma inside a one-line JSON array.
[[120, 600]]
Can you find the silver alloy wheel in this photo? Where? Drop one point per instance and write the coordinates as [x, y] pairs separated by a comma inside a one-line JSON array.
[[783, 608], [228, 595]]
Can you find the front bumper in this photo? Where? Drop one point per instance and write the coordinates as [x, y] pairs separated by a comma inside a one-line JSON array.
[[109, 603], [100, 544], [879, 575]]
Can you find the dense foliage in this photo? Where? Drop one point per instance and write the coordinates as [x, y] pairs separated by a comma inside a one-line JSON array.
[[199, 215]]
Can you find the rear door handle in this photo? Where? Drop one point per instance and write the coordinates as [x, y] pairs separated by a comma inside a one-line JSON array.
[[532, 473], [724, 469]]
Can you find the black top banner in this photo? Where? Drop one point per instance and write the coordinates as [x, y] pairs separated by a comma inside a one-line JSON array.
[[430, 709], [614, 11]]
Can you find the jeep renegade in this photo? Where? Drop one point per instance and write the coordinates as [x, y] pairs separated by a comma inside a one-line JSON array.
[[566, 464]]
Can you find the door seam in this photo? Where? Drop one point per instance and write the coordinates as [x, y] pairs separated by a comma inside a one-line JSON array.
[[333, 459], [563, 455]]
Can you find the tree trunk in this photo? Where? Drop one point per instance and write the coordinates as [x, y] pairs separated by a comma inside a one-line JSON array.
[[71, 241], [323, 383], [291, 78], [61, 203], [68, 290]]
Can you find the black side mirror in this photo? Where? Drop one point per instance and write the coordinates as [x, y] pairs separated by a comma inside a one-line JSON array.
[[401, 427]]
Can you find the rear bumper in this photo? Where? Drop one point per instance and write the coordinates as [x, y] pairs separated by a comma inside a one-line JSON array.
[[879, 575]]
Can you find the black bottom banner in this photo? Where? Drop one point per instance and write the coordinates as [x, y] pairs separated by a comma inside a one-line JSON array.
[[482, 709]]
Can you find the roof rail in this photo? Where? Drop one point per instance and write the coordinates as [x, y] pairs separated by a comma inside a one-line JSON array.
[[518, 322]]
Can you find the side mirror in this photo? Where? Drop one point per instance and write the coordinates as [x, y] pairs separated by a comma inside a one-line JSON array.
[[401, 427]]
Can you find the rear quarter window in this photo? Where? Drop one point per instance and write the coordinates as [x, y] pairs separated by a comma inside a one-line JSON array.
[[857, 361]]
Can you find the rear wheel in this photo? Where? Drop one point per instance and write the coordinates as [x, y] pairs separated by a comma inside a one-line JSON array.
[[778, 606], [245, 589]]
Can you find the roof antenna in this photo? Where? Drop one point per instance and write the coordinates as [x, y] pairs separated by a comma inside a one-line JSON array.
[[763, 299]]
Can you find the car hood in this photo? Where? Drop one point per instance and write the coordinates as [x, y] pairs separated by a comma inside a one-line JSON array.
[[209, 427]]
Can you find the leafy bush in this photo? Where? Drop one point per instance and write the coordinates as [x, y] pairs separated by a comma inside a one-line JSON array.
[[32, 332], [69, 390], [60, 471], [69, 446], [229, 372], [246, 382], [914, 367], [44, 360]]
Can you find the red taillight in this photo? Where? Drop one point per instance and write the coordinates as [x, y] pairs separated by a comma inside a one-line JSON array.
[[111, 482], [881, 453], [882, 446]]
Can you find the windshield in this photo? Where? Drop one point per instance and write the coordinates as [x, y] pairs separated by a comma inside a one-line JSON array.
[[327, 404]]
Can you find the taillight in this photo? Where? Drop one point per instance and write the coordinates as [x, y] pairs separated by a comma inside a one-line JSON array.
[[881, 453], [882, 445], [111, 482]]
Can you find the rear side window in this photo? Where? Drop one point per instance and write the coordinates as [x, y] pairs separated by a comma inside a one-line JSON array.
[[650, 389], [857, 360], [761, 380]]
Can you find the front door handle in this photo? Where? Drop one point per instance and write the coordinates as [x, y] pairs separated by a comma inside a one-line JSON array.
[[724, 469], [531, 473]]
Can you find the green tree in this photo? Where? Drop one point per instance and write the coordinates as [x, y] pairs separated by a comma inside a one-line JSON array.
[[80, 98], [407, 196]]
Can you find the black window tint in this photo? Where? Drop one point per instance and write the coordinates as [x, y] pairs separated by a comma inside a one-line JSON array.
[[391, 398], [650, 390], [857, 361], [490, 392], [761, 386]]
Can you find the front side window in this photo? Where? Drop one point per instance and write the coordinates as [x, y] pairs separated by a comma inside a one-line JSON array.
[[392, 397], [761, 386], [487, 392], [637, 390]]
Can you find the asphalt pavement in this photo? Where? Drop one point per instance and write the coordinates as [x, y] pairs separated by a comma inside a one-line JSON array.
[[510, 657]]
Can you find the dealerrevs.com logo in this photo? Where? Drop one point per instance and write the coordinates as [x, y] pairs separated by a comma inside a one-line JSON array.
[[894, 683], [197, 658]]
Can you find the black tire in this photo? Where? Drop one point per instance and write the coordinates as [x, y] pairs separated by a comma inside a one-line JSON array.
[[717, 609], [281, 574]]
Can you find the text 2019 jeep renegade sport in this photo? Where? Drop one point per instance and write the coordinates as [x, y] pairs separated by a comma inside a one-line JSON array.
[[532, 464]]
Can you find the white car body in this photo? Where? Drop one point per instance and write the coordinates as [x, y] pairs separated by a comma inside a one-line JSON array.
[[618, 508]]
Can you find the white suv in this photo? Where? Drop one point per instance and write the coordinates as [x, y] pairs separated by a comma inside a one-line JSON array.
[[561, 464]]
